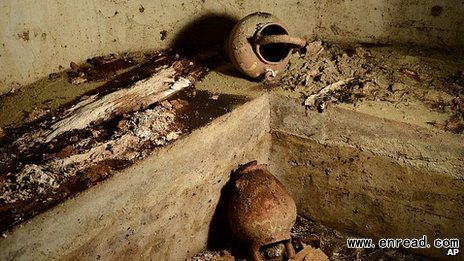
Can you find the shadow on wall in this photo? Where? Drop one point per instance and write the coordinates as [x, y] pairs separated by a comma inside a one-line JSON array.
[[220, 235], [207, 31]]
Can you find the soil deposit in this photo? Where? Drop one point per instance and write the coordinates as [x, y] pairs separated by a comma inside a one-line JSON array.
[[421, 86], [309, 233]]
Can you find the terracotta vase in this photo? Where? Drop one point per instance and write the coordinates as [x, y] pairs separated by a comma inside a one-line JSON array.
[[260, 45], [261, 211]]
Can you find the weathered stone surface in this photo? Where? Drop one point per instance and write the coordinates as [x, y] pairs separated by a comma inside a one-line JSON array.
[[367, 175]]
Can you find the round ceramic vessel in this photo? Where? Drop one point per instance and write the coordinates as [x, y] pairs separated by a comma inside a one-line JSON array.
[[261, 211], [260, 44]]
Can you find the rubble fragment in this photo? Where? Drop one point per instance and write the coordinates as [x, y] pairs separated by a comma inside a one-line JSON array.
[[2, 134], [411, 73], [36, 114], [33, 179], [314, 241], [54, 76], [326, 90], [458, 102], [223, 255], [313, 49], [310, 254], [98, 68]]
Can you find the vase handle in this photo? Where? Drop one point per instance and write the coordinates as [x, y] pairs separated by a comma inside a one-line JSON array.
[[282, 39]]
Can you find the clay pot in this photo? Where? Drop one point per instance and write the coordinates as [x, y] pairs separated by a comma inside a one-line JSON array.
[[260, 44], [261, 211]]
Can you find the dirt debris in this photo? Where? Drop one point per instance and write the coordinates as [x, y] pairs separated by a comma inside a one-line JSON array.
[[54, 76], [313, 239], [222, 255], [333, 244], [98, 68], [458, 102], [36, 114], [33, 179], [313, 49], [309, 253], [154, 126], [327, 94], [179, 103], [2, 134], [390, 74]]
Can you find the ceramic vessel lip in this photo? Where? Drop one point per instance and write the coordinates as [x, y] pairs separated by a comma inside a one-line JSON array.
[[258, 46]]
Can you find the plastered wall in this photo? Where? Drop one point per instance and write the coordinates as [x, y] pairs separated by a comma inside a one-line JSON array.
[[40, 37]]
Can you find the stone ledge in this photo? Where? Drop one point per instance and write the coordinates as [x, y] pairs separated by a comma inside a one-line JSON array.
[[159, 208], [405, 182]]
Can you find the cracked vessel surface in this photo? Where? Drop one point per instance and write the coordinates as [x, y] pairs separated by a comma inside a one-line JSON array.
[[261, 211]]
